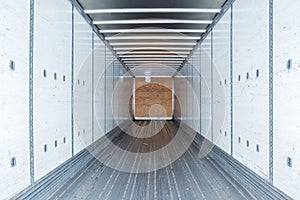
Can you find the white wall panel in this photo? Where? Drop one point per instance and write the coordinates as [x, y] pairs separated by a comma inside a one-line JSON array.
[[287, 96], [190, 94], [250, 46], [221, 86], [176, 102], [115, 103], [109, 90], [52, 84], [180, 104], [99, 90], [185, 106], [83, 83], [123, 92], [14, 45], [206, 88], [196, 90]]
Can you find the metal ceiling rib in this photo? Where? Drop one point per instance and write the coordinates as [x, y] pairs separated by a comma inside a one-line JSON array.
[[113, 4], [152, 33], [160, 37], [152, 10], [153, 30], [133, 49], [153, 21], [153, 56]]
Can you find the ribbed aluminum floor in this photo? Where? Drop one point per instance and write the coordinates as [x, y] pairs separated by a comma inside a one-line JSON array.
[[189, 177]]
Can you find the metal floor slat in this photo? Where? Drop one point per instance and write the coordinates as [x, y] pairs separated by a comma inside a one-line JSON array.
[[189, 177]]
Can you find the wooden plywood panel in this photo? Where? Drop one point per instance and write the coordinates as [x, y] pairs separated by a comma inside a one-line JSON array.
[[154, 99]]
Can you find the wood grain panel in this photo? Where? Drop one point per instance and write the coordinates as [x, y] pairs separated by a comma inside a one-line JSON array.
[[153, 99]]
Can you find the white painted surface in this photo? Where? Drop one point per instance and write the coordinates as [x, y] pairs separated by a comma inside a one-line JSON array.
[[195, 60], [190, 95], [83, 83], [287, 96], [116, 104], [52, 98], [221, 86], [251, 116], [109, 90], [180, 105], [121, 98], [176, 102], [99, 91], [206, 88], [14, 100]]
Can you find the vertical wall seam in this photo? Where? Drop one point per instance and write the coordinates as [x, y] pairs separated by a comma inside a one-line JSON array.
[[185, 92], [133, 97], [31, 131], [231, 80], [212, 88], [200, 91], [105, 91], [271, 91], [173, 93], [93, 89], [72, 84], [192, 118], [113, 87]]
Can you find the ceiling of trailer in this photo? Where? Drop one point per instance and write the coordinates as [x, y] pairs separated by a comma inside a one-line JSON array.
[[152, 36]]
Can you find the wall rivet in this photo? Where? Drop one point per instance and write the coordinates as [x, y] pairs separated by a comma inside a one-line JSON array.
[[12, 65], [289, 64], [13, 162]]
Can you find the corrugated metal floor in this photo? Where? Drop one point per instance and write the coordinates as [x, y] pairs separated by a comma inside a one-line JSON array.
[[189, 177]]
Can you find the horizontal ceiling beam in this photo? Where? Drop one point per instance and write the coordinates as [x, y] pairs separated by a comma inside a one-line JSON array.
[[153, 43], [152, 59], [152, 21], [154, 76], [152, 56], [175, 53], [167, 66], [154, 48], [134, 37], [162, 68], [152, 10], [154, 30]]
